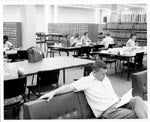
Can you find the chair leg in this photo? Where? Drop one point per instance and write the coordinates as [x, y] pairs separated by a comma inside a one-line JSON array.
[[120, 65], [115, 67], [122, 70], [32, 79], [29, 95], [46, 53], [59, 53], [128, 75], [57, 85], [14, 111], [110, 65]]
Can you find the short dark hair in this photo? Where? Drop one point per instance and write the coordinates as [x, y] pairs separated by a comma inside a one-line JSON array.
[[107, 33], [85, 33], [101, 33], [98, 65], [5, 37], [132, 34], [76, 35]]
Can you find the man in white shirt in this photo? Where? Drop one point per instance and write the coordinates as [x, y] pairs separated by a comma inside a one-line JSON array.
[[7, 44], [107, 40], [74, 39], [85, 39], [131, 41], [101, 96]]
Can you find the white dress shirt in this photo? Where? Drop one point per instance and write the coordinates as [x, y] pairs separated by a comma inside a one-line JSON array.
[[73, 41], [107, 40], [130, 43], [99, 94], [85, 39], [8, 45]]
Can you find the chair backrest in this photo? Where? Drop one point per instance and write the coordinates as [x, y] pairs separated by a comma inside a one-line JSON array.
[[96, 47], [47, 77], [22, 54], [111, 45], [85, 49], [64, 106], [13, 57], [139, 84], [87, 70], [139, 58], [14, 87], [50, 43]]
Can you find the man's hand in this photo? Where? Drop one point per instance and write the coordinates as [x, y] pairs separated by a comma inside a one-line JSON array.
[[48, 95]]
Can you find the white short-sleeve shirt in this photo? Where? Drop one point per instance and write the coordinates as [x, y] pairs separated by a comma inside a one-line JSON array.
[[7, 45], [73, 40], [107, 40], [99, 94], [85, 39], [130, 43]]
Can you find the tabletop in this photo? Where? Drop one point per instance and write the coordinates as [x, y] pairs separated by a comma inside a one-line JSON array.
[[61, 62], [13, 51], [127, 52]]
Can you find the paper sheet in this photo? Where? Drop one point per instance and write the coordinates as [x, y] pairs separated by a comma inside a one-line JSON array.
[[125, 98]]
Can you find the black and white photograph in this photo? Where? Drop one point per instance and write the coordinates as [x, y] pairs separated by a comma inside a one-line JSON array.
[[74, 60]]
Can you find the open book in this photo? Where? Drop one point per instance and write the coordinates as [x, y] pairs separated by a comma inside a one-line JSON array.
[[125, 98]]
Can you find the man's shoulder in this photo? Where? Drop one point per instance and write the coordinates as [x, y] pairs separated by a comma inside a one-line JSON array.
[[85, 78], [107, 79], [129, 40]]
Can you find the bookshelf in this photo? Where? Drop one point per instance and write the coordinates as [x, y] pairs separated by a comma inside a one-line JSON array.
[[68, 28], [14, 33], [121, 31], [72, 28]]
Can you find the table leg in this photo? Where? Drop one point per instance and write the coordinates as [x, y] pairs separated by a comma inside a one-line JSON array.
[[64, 76], [128, 70], [67, 53]]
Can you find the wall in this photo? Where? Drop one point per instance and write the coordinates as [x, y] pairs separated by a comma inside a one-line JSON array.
[[40, 18], [34, 18], [28, 26], [31, 17], [11, 13], [75, 15]]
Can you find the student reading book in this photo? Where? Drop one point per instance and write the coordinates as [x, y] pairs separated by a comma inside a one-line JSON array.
[[101, 96]]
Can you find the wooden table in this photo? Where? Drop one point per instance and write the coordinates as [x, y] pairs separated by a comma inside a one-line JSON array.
[[61, 63], [64, 49], [123, 56], [69, 49], [12, 54]]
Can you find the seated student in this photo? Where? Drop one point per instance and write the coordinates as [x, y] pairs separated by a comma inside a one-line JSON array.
[[107, 40], [7, 44], [100, 95], [74, 39], [85, 39], [131, 41], [100, 37]]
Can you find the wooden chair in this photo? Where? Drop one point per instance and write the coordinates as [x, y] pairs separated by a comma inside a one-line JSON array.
[[22, 54], [139, 84], [109, 59], [84, 52], [87, 71], [45, 79], [136, 65], [14, 88]]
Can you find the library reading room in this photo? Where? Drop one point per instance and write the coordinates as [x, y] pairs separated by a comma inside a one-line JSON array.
[[75, 61]]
